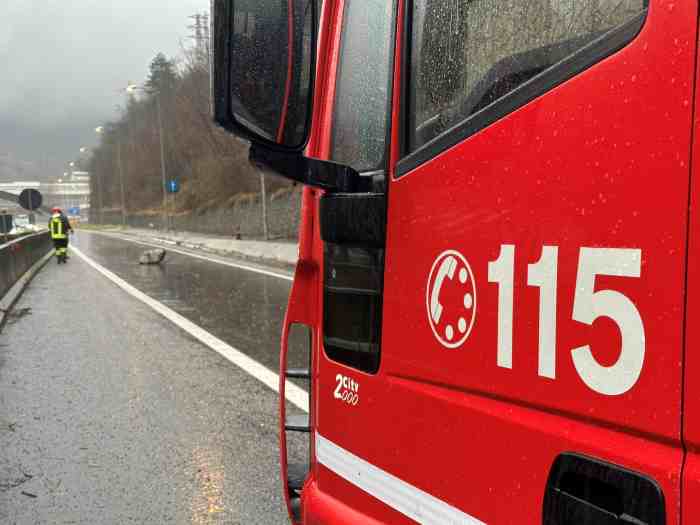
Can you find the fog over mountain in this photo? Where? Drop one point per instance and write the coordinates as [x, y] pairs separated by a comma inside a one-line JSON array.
[[63, 65]]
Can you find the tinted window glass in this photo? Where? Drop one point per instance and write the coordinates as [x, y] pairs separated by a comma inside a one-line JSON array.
[[466, 54], [352, 305], [362, 87]]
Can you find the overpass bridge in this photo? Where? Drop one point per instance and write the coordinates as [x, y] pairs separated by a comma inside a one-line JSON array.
[[8, 201], [72, 192], [14, 207]]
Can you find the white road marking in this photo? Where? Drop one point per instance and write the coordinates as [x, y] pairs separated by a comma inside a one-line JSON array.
[[295, 395], [197, 256]]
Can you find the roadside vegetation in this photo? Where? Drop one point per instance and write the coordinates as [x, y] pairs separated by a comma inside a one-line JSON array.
[[210, 166]]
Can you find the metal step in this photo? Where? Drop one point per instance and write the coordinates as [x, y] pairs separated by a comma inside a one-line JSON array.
[[296, 475], [295, 504], [297, 423], [298, 373]]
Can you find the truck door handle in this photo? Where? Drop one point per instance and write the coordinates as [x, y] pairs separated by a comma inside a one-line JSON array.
[[587, 491]]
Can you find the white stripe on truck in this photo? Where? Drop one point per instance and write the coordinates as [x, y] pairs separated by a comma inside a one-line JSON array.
[[387, 488]]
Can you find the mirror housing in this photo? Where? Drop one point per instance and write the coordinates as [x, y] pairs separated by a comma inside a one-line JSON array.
[[263, 73], [263, 68], [323, 174]]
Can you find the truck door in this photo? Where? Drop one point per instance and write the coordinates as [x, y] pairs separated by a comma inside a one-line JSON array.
[[534, 288], [691, 408]]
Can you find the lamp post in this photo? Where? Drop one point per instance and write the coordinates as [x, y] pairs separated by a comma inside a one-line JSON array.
[[62, 195], [66, 177], [100, 130], [121, 181], [98, 182], [61, 190], [131, 88]]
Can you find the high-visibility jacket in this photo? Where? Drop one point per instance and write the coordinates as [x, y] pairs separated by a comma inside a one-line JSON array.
[[58, 227]]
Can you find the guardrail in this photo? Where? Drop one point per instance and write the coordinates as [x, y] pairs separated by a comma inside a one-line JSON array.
[[18, 256]]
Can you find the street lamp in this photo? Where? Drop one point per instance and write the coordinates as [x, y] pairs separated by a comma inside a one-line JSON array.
[[59, 193], [62, 193], [132, 88], [100, 130], [98, 182]]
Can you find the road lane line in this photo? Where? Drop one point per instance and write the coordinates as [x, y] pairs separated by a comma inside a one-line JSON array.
[[196, 256], [295, 395]]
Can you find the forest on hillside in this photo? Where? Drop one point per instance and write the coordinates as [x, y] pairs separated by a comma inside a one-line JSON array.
[[210, 165]]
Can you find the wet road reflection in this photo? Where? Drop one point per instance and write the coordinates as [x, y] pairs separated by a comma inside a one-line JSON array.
[[208, 497], [243, 308], [111, 414]]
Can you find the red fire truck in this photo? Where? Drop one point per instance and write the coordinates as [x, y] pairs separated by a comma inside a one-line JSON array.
[[499, 259]]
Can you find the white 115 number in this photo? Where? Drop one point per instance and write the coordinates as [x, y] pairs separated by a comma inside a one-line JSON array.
[[588, 306]]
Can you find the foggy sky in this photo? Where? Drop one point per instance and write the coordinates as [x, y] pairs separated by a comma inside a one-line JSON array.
[[63, 63]]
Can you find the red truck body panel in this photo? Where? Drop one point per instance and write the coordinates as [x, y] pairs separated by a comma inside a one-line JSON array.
[[691, 401], [596, 169]]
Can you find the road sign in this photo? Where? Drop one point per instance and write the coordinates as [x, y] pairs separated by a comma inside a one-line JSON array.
[[173, 186], [74, 211], [30, 199]]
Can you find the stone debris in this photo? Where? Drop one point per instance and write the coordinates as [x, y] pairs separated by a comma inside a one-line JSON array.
[[154, 256]]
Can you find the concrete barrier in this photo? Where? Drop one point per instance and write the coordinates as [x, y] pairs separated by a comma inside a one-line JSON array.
[[16, 259], [243, 217]]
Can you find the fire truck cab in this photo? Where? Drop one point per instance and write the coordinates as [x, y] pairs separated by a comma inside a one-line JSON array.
[[499, 264]]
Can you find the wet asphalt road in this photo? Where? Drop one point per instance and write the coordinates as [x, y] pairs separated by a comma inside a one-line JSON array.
[[110, 414], [243, 308]]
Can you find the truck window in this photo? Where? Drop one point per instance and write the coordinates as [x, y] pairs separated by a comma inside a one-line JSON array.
[[353, 273], [363, 85], [469, 54]]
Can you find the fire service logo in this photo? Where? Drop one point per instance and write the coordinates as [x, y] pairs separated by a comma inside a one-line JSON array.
[[450, 299]]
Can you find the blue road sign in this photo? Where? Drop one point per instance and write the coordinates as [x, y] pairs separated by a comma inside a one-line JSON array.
[[173, 186], [74, 211]]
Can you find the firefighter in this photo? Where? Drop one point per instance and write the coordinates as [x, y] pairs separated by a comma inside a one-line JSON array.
[[60, 228]]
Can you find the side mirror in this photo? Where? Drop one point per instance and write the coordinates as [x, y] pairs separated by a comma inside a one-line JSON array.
[[263, 70]]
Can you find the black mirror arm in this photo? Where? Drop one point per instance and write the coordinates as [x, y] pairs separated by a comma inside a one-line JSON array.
[[323, 174]]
